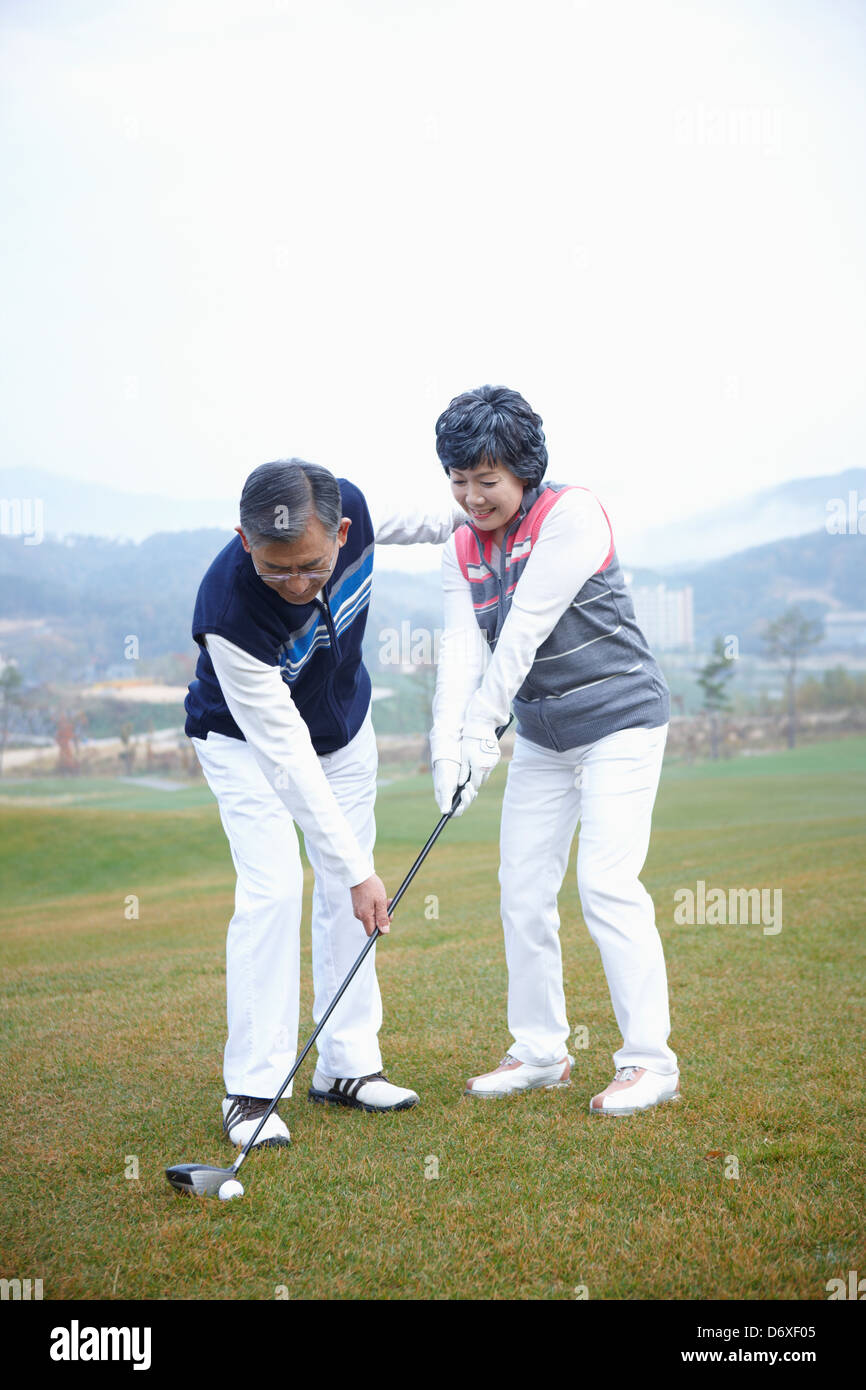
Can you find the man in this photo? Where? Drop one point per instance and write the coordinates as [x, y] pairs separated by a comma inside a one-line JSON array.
[[279, 715]]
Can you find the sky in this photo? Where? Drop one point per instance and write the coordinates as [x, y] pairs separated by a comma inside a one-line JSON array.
[[237, 230]]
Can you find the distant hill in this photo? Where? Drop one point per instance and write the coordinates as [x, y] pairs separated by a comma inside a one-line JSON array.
[[66, 607], [82, 597], [795, 508], [819, 573], [71, 508]]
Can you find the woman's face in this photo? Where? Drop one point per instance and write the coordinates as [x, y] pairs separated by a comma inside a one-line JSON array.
[[490, 493]]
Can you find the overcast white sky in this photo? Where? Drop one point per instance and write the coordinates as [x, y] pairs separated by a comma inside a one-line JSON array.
[[242, 229]]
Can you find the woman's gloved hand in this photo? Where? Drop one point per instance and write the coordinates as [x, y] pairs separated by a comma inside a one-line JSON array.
[[446, 779], [479, 754]]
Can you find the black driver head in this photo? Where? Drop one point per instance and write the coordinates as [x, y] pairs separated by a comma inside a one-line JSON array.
[[197, 1179]]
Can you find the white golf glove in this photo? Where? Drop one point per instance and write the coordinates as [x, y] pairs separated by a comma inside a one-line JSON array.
[[446, 779], [479, 754]]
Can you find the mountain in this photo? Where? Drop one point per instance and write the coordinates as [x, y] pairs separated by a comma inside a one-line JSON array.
[[819, 573], [70, 508], [68, 607], [795, 508]]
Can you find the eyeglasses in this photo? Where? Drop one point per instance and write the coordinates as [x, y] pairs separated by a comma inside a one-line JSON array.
[[299, 574]]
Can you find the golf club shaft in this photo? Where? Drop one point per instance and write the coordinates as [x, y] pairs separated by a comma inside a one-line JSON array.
[[443, 821]]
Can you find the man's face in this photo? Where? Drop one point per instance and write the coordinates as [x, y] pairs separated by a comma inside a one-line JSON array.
[[490, 493], [309, 561]]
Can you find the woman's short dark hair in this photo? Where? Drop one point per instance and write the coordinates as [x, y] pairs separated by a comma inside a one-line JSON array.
[[492, 425], [280, 497]]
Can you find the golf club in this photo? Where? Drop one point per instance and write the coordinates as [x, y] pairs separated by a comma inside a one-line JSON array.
[[202, 1180]]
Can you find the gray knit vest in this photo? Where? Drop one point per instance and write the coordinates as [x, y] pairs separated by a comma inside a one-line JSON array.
[[595, 673]]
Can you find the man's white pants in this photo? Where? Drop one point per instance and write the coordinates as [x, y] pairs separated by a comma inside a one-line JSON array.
[[610, 786], [263, 943]]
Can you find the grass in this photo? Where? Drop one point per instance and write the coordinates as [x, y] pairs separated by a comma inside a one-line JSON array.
[[752, 1187]]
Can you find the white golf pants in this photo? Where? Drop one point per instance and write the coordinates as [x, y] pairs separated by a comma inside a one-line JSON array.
[[263, 943], [610, 787]]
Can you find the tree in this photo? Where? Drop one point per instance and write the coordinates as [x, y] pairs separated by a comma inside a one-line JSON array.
[[10, 696], [838, 689], [66, 738], [713, 679], [127, 747], [786, 640], [426, 677]]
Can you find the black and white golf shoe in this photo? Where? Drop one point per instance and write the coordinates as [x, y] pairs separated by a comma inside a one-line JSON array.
[[241, 1115], [374, 1092]]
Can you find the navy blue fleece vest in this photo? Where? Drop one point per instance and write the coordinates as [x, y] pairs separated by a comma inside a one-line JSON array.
[[316, 645]]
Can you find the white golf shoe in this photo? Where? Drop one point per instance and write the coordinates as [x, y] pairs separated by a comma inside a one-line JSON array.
[[241, 1115], [374, 1092], [513, 1075], [635, 1088]]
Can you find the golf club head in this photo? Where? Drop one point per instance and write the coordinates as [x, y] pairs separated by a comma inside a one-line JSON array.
[[197, 1179]]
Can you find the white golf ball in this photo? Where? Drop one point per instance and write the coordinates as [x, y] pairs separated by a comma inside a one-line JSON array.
[[230, 1188]]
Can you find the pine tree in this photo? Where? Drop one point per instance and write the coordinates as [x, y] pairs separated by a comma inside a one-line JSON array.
[[713, 679], [787, 639]]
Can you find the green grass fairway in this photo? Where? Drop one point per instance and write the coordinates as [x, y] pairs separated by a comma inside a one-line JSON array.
[[752, 1187]]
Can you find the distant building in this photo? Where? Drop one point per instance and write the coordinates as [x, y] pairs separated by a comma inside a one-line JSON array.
[[665, 616], [845, 628]]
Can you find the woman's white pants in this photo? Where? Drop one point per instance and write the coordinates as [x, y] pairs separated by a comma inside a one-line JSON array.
[[263, 943], [610, 787]]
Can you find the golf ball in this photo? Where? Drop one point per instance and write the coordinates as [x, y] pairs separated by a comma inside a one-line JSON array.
[[229, 1189]]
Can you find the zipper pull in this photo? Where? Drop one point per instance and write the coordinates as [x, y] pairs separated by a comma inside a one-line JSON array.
[[332, 631]]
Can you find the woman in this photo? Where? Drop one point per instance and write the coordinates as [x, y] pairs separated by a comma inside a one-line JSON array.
[[537, 615]]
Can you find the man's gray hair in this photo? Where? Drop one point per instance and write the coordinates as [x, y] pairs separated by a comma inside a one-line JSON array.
[[279, 499]]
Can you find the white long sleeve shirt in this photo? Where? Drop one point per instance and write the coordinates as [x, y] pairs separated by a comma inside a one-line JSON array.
[[411, 527], [474, 697], [260, 702]]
